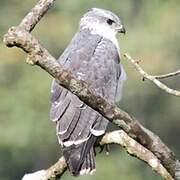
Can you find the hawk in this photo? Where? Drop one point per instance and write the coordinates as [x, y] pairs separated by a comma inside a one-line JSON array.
[[93, 56]]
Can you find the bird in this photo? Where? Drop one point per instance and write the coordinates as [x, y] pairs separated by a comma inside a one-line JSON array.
[[93, 56]]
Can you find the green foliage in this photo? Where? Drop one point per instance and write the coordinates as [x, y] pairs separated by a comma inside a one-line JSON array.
[[27, 136]]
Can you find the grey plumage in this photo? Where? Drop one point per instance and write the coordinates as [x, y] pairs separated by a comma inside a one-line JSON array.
[[94, 58]]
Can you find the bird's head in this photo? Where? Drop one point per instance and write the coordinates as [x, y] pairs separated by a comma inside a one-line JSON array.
[[101, 21]]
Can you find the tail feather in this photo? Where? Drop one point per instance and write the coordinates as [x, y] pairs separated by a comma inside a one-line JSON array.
[[80, 157], [92, 158], [88, 165]]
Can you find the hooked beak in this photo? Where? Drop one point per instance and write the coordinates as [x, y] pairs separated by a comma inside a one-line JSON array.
[[121, 29]]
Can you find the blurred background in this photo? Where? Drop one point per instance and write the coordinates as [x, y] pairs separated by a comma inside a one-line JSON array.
[[27, 137]]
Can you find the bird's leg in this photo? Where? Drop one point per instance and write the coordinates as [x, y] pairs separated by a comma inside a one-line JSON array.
[[107, 148], [101, 149]]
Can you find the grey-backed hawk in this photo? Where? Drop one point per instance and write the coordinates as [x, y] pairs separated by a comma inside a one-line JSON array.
[[93, 56]]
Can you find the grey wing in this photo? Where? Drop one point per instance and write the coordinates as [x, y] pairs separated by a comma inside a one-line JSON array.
[[67, 110], [121, 77], [96, 61]]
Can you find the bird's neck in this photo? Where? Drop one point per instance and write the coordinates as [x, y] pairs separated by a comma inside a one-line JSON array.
[[99, 29]]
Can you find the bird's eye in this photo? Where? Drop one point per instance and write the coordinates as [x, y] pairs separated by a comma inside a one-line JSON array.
[[110, 21]]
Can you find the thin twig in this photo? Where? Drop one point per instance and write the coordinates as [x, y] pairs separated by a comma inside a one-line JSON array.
[[154, 79], [172, 74]]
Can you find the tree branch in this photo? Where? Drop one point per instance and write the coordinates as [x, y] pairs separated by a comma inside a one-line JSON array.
[[172, 74], [115, 137], [52, 173], [36, 13], [135, 149], [37, 55], [154, 79]]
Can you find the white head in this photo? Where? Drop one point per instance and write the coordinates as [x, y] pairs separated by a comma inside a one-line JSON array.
[[102, 22]]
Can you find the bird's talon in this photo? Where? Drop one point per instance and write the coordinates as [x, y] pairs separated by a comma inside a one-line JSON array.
[[101, 149]]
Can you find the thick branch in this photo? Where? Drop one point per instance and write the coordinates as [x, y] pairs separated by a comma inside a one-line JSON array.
[[137, 150], [115, 137], [36, 13], [52, 173], [18, 36], [154, 79]]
